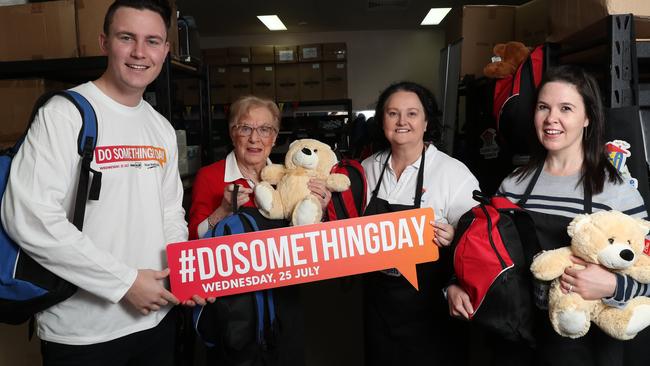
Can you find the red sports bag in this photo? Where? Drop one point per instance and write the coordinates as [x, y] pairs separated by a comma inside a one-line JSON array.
[[492, 255], [514, 101], [349, 203]]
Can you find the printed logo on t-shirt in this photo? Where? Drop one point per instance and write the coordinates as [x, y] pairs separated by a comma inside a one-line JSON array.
[[130, 156]]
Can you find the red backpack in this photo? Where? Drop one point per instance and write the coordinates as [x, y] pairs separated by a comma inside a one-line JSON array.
[[514, 101], [349, 203], [492, 254]]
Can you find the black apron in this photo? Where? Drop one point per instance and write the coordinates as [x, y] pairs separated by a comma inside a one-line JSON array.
[[595, 348], [404, 326]]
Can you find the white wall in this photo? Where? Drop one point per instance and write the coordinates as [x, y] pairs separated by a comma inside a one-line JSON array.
[[375, 58]]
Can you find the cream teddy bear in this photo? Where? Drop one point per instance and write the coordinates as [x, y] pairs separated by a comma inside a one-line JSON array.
[[615, 241], [306, 159]]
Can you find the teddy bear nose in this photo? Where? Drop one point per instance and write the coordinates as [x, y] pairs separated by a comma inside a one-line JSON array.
[[306, 151], [627, 254]]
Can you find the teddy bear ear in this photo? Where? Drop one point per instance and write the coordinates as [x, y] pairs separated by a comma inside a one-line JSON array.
[[291, 144], [577, 223], [499, 48], [645, 225]]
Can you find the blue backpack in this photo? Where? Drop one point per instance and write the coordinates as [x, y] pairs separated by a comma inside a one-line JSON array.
[[27, 288], [241, 328]]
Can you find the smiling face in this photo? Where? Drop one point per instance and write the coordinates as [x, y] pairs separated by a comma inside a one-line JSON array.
[[136, 48], [560, 119], [404, 119], [253, 150]]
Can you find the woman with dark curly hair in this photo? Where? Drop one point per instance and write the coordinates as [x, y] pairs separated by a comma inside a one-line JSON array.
[[404, 326]]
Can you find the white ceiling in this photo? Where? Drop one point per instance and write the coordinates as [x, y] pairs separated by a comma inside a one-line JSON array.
[[239, 17]]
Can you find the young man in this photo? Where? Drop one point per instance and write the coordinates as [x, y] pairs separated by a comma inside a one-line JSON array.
[[119, 315]]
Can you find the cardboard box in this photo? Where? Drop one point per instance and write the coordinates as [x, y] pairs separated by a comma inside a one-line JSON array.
[[17, 97], [481, 27], [38, 31], [311, 81], [263, 77], [239, 55], [286, 54], [334, 51], [215, 56], [569, 16], [310, 52], [219, 85], [90, 19], [240, 81], [287, 79], [532, 22], [261, 55], [335, 80]]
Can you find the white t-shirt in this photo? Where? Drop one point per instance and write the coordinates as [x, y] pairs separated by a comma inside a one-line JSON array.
[[139, 211], [447, 186]]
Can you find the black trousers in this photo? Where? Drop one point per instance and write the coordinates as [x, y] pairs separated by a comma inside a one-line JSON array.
[[151, 347]]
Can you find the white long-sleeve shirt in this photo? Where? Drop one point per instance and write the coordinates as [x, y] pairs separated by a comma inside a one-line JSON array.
[[139, 211]]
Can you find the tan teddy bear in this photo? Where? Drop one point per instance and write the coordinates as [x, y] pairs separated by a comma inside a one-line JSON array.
[[614, 240], [508, 57], [306, 159]]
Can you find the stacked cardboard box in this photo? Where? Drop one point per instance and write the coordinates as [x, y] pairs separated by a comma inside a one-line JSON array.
[[283, 73], [17, 97], [480, 27], [58, 29]]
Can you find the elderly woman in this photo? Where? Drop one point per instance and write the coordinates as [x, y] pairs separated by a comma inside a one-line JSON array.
[[405, 326], [253, 124]]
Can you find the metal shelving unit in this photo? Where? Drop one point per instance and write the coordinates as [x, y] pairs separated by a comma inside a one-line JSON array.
[[610, 50]]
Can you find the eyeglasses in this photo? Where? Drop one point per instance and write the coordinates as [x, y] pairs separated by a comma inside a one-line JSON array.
[[262, 131]]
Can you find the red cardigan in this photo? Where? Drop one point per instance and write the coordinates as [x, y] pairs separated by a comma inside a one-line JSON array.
[[207, 193]]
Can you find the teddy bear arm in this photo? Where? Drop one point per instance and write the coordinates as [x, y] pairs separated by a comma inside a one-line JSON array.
[[273, 173], [338, 182], [551, 264]]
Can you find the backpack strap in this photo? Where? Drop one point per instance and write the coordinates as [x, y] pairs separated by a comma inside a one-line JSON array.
[[86, 143], [349, 203]]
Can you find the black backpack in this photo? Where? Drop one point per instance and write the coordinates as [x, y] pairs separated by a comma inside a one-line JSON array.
[[27, 288], [494, 245], [241, 328]]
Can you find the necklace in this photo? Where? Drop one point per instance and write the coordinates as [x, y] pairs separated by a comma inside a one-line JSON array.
[[249, 174]]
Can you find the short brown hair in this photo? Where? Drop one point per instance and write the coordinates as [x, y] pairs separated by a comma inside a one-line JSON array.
[[243, 105], [161, 7]]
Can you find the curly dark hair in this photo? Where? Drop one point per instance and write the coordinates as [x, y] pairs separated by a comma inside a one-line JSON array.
[[428, 101]]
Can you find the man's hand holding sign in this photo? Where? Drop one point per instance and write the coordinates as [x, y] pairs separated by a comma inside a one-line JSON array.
[[260, 260]]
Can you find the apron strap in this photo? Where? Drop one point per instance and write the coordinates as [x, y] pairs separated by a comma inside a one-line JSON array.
[[531, 185], [420, 182], [418, 186], [381, 177], [587, 196], [587, 202]]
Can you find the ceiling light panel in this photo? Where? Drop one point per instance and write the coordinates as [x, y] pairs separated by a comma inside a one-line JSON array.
[[272, 22], [435, 16]]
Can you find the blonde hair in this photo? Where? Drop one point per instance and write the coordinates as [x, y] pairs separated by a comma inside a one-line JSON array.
[[243, 105]]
